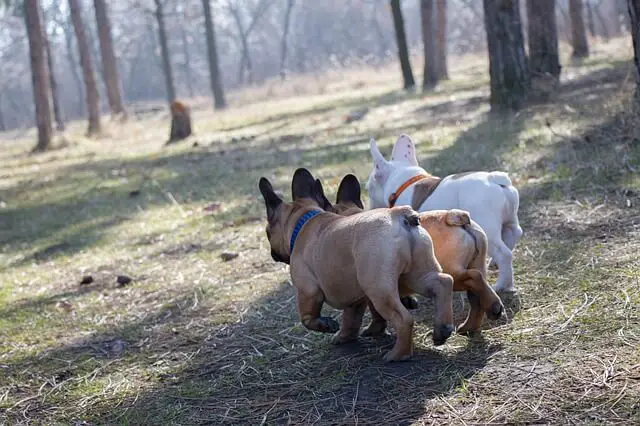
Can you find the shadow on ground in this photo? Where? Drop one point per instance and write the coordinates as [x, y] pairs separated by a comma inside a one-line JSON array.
[[264, 368]]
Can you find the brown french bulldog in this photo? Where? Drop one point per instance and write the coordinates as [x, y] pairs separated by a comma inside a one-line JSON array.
[[459, 244], [348, 261]]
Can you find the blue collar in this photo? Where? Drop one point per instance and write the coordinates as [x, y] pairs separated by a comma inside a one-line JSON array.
[[296, 230]]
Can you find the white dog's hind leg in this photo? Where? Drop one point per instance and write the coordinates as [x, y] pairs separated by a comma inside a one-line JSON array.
[[511, 234], [504, 259]]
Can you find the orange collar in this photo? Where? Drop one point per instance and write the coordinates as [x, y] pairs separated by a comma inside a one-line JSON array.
[[394, 197]]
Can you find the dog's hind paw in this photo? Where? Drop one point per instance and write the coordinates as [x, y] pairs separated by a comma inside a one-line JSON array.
[[329, 325], [394, 357], [340, 338], [409, 302]]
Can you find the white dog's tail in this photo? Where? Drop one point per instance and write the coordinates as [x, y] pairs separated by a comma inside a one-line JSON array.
[[512, 225], [500, 178]]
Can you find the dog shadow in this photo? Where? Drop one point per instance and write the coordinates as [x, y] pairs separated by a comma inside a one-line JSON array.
[[406, 388], [511, 301]]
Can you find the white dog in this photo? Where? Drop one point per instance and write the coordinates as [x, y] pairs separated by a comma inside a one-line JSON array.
[[489, 197]]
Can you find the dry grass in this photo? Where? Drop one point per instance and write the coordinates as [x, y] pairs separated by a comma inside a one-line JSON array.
[[195, 339]]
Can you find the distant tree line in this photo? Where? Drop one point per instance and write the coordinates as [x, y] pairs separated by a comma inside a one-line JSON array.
[[66, 59]]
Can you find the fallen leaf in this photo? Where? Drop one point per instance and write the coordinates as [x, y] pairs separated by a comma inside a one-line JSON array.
[[87, 279], [212, 207], [228, 255]]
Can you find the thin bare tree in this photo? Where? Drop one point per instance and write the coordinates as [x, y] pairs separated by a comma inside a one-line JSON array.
[[441, 39], [578, 32], [401, 40], [212, 52], [245, 33], [110, 73], [285, 35], [164, 48], [187, 58], [55, 98], [634, 13], [91, 88], [430, 76], [39, 72]]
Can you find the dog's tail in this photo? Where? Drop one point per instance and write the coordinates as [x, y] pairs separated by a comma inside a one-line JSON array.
[[500, 178], [409, 221], [462, 219], [513, 198]]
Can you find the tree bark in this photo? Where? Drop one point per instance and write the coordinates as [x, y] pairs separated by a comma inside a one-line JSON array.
[[612, 17], [110, 72], [441, 39], [430, 76], [68, 38], [39, 78], [634, 15], [3, 125], [55, 99], [214, 68], [91, 88], [164, 47], [508, 68], [543, 37], [603, 23], [578, 33], [591, 23], [245, 59], [401, 40], [283, 43]]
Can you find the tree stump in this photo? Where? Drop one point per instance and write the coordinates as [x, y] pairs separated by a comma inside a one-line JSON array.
[[180, 122]]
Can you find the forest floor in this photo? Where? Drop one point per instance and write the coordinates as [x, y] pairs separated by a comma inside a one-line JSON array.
[[196, 339]]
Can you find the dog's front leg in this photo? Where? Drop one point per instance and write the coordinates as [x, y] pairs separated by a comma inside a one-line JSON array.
[[309, 308], [351, 322]]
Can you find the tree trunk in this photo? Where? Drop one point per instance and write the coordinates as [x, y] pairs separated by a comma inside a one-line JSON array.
[[634, 15], [91, 89], [591, 23], [382, 41], [508, 68], [164, 47], [441, 39], [3, 125], [68, 38], [55, 99], [613, 18], [543, 37], [110, 72], [283, 43], [578, 33], [430, 76], [245, 59], [39, 78], [187, 60], [401, 40], [214, 68], [603, 23]]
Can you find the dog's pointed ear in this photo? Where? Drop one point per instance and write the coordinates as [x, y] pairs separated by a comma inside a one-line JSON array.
[[404, 151], [381, 166], [321, 198], [349, 191], [271, 199], [303, 185]]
